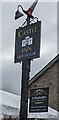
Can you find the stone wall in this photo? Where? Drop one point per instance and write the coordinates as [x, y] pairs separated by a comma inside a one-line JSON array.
[[50, 79]]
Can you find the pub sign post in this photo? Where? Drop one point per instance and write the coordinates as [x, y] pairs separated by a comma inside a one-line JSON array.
[[27, 47]]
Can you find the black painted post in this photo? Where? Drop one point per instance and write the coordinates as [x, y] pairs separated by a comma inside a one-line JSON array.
[[25, 85]]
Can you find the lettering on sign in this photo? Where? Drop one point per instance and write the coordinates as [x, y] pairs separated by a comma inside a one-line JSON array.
[[39, 100], [28, 31]]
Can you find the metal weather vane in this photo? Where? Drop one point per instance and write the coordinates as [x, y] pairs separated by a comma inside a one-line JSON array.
[[27, 12]]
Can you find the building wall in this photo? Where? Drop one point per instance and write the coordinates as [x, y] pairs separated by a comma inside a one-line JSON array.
[[49, 79], [58, 86]]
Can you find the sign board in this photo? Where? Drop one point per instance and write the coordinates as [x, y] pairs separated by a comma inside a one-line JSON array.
[[39, 100], [27, 42]]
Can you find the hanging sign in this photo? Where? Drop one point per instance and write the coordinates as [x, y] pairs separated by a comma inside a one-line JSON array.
[[39, 100], [27, 42]]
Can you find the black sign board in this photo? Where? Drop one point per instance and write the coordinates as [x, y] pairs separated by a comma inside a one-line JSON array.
[[39, 100], [27, 42]]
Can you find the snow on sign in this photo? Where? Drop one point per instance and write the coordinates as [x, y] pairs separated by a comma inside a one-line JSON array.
[[27, 42], [39, 100]]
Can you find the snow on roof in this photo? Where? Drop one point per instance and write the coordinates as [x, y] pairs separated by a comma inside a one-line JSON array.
[[50, 64]]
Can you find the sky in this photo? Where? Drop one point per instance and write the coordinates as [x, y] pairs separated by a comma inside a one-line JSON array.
[[11, 73]]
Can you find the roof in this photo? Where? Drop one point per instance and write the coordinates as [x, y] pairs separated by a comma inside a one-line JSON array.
[[49, 65]]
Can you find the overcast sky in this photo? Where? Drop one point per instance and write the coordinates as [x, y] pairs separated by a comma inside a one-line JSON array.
[[11, 72]]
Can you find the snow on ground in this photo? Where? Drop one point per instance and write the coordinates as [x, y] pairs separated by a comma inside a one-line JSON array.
[[13, 100]]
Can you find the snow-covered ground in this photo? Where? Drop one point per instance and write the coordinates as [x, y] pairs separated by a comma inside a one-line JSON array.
[[8, 99]]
